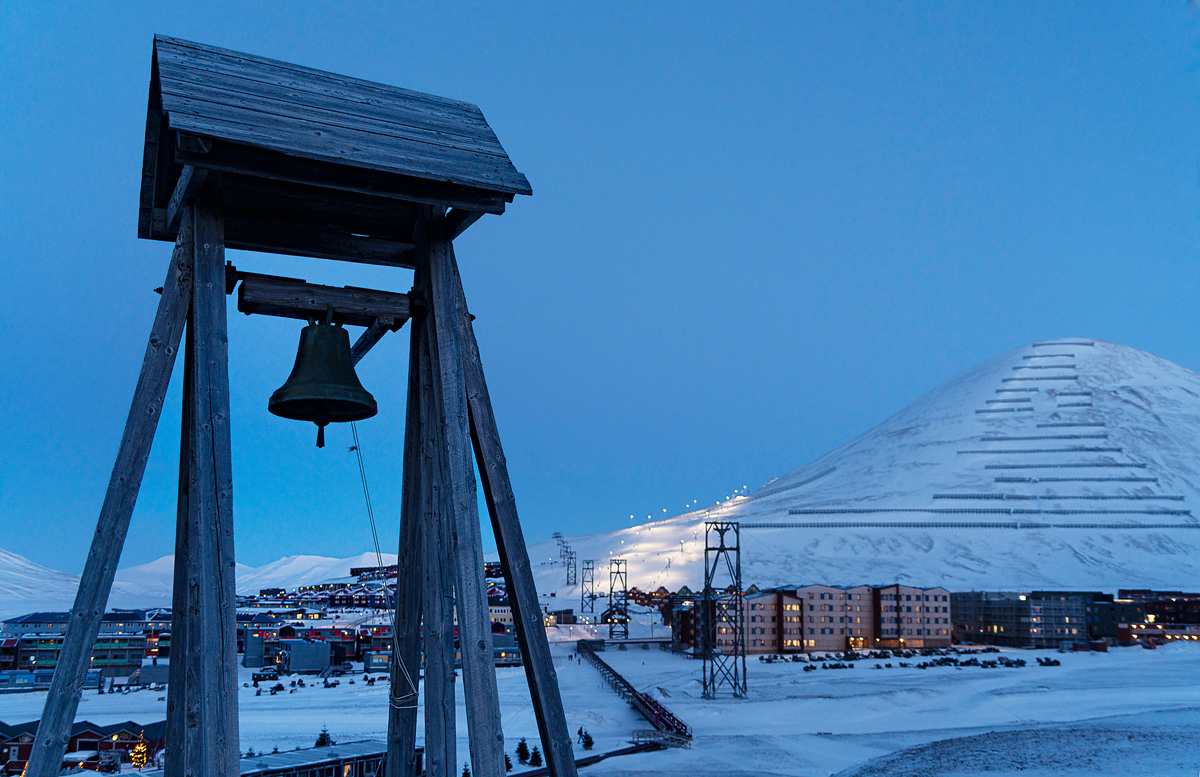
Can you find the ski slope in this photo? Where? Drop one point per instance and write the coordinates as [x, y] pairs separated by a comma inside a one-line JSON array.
[[1074, 431]]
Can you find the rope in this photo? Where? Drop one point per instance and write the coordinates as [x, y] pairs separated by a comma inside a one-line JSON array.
[[393, 700]]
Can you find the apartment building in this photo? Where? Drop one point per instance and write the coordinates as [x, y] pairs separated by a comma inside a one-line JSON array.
[[827, 618], [772, 623], [837, 618], [909, 617], [1019, 619]]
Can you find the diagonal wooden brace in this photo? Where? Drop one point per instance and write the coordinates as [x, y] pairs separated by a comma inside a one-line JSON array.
[[514, 557], [485, 735], [94, 586]]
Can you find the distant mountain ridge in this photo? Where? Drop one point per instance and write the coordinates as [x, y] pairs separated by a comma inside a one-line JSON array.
[[27, 587], [1067, 431]]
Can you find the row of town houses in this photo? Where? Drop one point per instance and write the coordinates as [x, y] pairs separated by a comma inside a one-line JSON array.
[[803, 619], [825, 618], [821, 618]]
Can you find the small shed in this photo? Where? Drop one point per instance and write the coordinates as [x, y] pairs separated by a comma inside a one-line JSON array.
[[303, 656], [312, 163]]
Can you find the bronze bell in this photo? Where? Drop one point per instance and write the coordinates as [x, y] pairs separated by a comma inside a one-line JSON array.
[[323, 387]]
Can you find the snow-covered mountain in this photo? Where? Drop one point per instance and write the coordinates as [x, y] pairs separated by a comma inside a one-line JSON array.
[[1071, 431], [293, 571], [29, 587], [287, 572], [1091, 436]]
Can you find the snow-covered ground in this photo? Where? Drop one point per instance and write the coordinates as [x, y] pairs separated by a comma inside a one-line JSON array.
[[1095, 714], [1113, 713]]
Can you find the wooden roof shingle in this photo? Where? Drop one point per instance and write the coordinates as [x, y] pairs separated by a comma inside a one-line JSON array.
[[312, 163], [299, 111]]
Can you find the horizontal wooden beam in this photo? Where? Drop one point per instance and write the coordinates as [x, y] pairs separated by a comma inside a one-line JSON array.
[[295, 239], [282, 237], [271, 295], [235, 158]]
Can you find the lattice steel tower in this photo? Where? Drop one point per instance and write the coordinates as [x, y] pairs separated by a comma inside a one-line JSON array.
[[722, 635], [587, 584], [618, 606]]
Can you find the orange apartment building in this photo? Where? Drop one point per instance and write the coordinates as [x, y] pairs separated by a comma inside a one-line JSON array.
[[827, 618], [908, 617], [838, 618]]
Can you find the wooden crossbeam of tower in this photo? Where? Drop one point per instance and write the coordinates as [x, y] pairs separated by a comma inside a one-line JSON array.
[[252, 153]]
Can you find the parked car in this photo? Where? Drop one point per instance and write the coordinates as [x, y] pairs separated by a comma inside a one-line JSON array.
[[266, 673]]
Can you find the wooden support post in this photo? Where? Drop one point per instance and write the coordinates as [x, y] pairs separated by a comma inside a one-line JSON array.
[[210, 652], [54, 731], [486, 736], [177, 671], [514, 557], [438, 585], [406, 648]]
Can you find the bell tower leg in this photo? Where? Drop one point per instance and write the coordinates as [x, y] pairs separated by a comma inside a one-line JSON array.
[[438, 601], [406, 648], [177, 669], [54, 731], [514, 557], [210, 647], [486, 735]]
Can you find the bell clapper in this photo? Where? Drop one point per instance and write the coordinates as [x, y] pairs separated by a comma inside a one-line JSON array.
[[321, 417]]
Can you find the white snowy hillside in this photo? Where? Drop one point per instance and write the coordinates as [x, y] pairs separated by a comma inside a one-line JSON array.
[[288, 572], [1095, 438], [29, 587]]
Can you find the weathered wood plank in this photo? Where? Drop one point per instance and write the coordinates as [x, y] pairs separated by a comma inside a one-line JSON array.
[[406, 648], [438, 602], [367, 340], [514, 557], [177, 692], [321, 242], [229, 157], [150, 155], [486, 736], [342, 145], [294, 298], [442, 113], [111, 528], [457, 221], [211, 649], [189, 183], [348, 212], [400, 121]]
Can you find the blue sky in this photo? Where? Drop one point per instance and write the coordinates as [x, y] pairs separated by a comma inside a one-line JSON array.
[[756, 231]]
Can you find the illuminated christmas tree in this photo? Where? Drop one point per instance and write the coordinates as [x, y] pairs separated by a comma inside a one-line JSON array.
[[139, 756]]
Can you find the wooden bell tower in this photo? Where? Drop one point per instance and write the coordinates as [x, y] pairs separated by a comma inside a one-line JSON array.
[[262, 155]]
